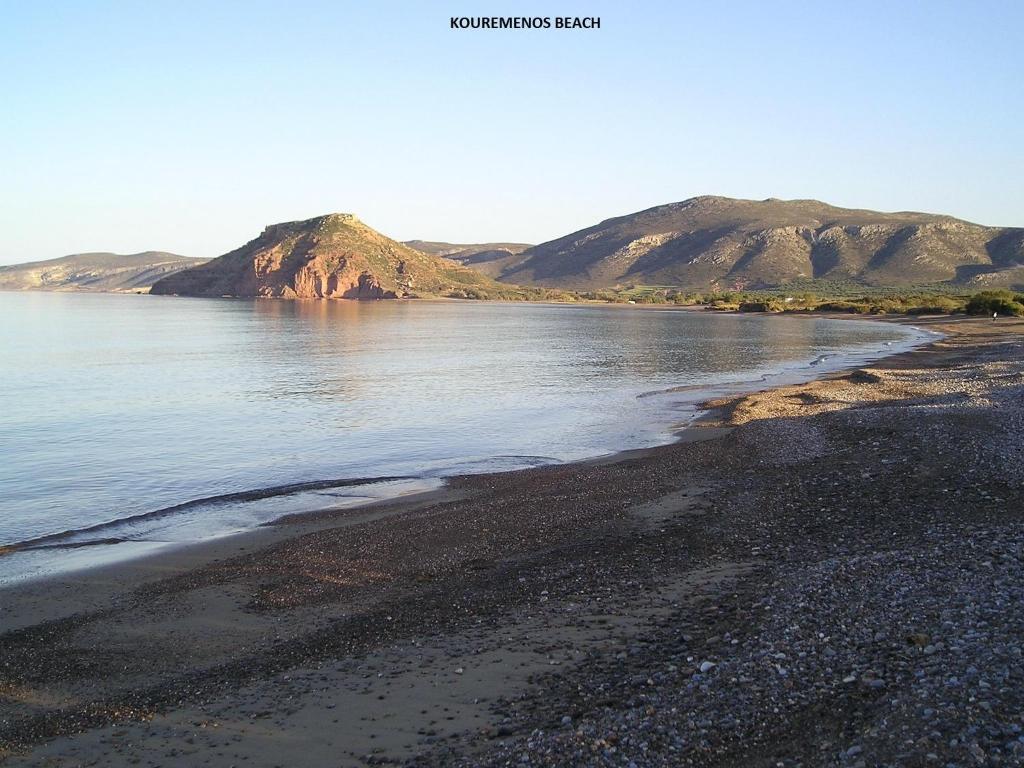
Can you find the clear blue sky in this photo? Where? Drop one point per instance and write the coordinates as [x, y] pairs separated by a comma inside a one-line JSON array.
[[188, 126]]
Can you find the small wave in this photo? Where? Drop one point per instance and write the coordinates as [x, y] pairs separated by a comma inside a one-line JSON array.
[[484, 465], [844, 358], [60, 539], [712, 387], [75, 544]]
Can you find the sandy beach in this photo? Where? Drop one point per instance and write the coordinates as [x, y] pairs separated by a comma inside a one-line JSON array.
[[829, 573]]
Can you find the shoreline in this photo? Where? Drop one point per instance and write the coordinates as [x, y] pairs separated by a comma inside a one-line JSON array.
[[141, 549], [582, 303], [704, 601]]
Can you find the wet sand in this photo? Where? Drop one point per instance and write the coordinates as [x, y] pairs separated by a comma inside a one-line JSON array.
[[570, 613]]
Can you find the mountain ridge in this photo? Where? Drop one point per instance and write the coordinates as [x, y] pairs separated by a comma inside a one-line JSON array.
[[711, 240], [487, 258], [99, 271]]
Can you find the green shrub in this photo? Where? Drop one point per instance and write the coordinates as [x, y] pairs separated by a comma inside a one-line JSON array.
[[1001, 302], [934, 305], [843, 306], [762, 305], [651, 298]]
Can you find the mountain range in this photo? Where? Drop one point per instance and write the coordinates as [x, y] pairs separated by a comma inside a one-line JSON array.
[[703, 243], [332, 256], [722, 242], [110, 272], [490, 259]]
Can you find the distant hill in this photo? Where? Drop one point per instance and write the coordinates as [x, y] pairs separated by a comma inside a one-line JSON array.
[[111, 272], [717, 241], [332, 256], [489, 258]]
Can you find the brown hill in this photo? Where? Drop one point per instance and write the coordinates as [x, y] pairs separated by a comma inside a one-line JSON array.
[[332, 256], [110, 272], [490, 259], [707, 241]]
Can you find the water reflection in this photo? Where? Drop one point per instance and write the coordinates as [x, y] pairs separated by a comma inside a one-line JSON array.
[[116, 405]]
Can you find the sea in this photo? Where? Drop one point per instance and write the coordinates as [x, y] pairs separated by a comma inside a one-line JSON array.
[[133, 423]]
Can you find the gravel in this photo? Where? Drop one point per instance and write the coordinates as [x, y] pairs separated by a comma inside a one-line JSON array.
[[884, 624]]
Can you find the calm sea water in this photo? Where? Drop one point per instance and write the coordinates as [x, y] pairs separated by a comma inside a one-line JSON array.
[[114, 407]]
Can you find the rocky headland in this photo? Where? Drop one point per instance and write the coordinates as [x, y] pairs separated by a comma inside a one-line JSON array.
[[329, 257]]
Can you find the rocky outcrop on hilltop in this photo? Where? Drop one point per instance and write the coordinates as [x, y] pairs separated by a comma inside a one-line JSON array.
[[330, 257]]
